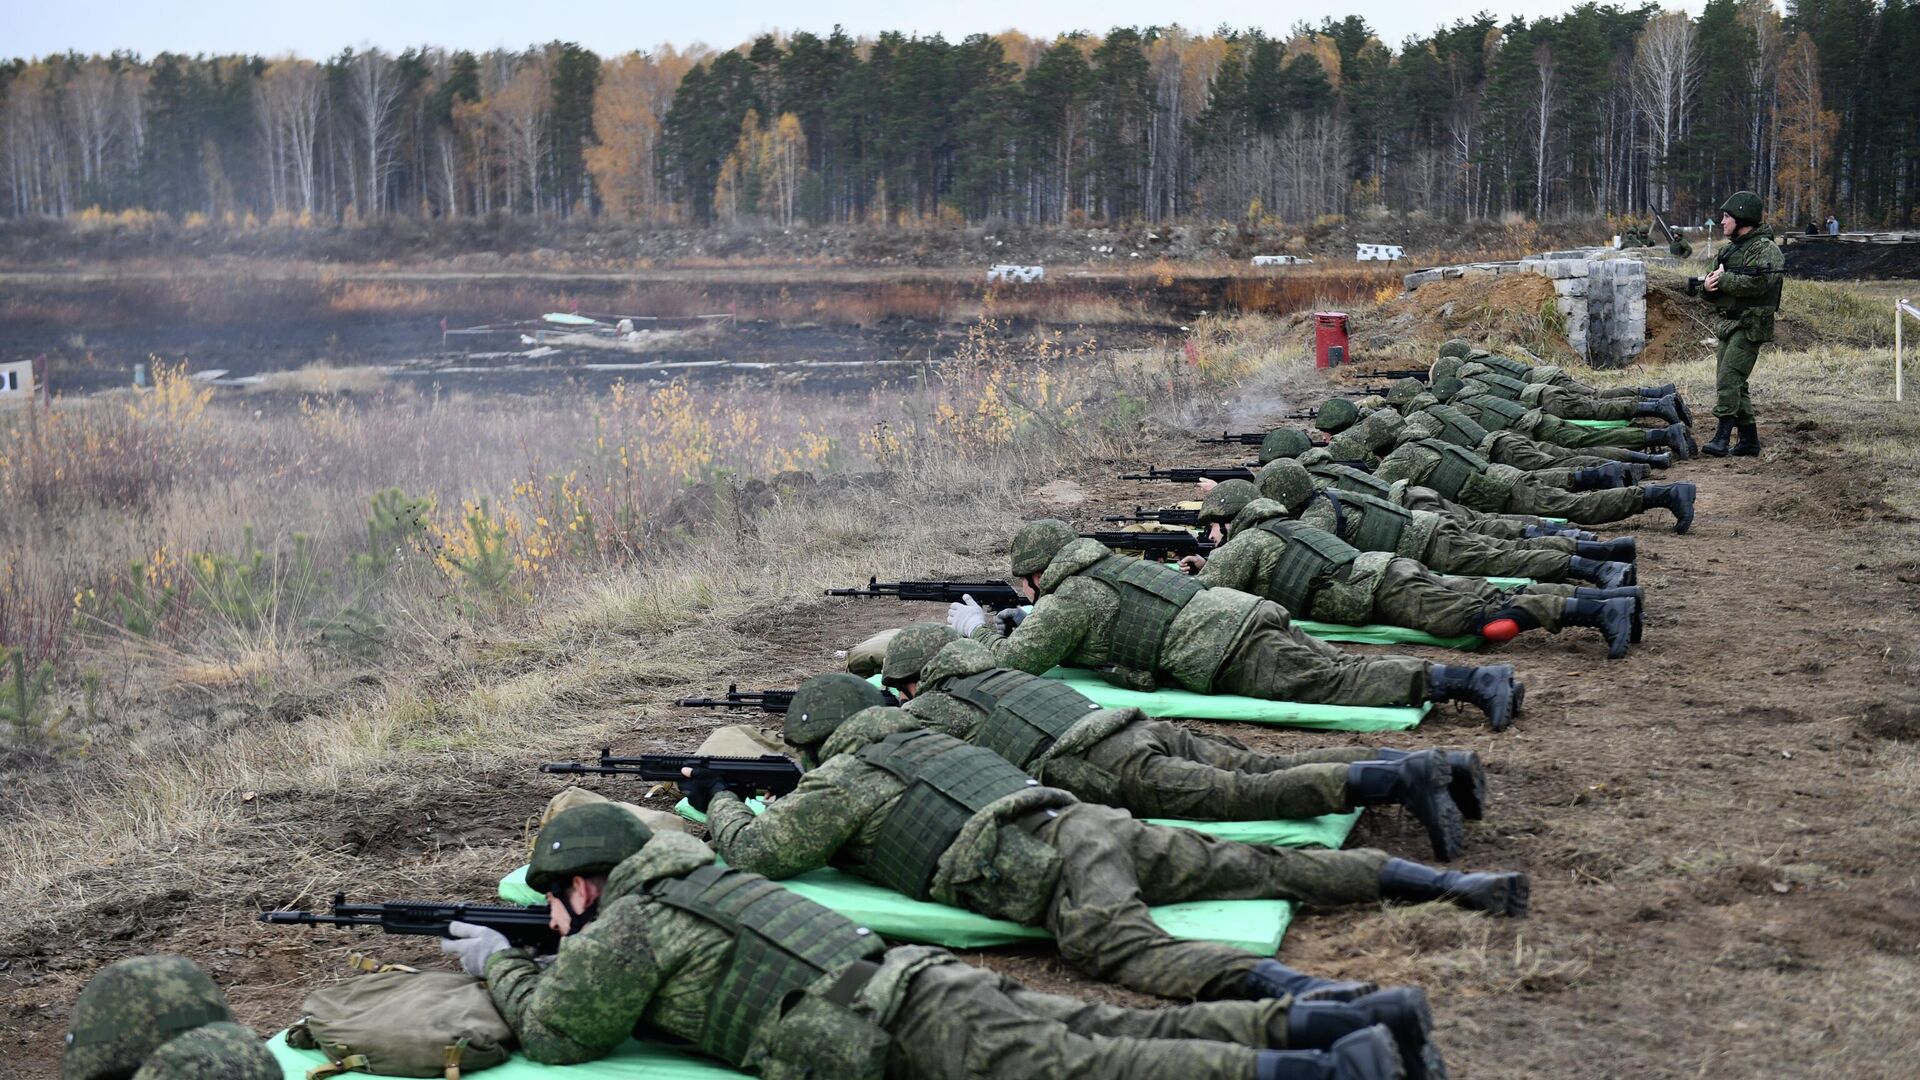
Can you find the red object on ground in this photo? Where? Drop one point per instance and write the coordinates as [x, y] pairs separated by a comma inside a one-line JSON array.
[[1500, 631], [1329, 338]]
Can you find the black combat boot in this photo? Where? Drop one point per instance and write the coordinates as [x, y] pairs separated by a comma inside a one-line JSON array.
[[1402, 1010], [1749, 444], [1490, 688], [1619, 549], [1634, 593], [1535, 532], [1367, 1054], [1717, 447], [1641, 457], [1496, 893], [1468, 779], [1675, 437], [1661, 408], [1613, 618], [1607, 575], [1663, 390], [1422, 783], [1675, 497], [1272, 979]]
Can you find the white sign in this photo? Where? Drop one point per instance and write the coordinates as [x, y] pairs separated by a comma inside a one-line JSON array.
[[16, 379], [1378, 252], [1010, 272], [1281, 260]]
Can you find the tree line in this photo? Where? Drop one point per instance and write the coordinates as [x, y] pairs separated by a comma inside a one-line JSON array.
[[1603, 110]]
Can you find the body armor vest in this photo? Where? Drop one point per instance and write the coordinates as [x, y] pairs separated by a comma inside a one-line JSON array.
[[1505, 365], [1368, 522], [1457, 427], [1497, 414], [1151, 596], [1456, 467], [1026, 714], [1348, 478], [1769, 300], [1310, 557], [948, 782], [1505, 386], [781, 943]]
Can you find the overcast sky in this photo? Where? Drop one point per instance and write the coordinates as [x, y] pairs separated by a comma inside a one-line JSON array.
[[268, 27]]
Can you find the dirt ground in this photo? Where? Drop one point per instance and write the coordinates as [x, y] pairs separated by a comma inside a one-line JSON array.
[[1720, 828]]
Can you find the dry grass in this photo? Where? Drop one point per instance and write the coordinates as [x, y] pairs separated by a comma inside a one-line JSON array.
[[322, 380]]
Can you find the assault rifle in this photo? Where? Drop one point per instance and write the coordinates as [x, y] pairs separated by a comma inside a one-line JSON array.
[[765, 700], [988, 594], [1159, 545], [773, 774], [523, 926], [1189, 476], [1399, 373], [1157, 517], [1244, 438]]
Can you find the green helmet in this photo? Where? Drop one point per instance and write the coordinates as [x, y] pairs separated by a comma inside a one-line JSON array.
[[1287, 483], [1037, 542], [1445, 368], [912, 649], [1283, 442], [1405, 390], [1744, 206], [225, 1050], [824, 702], [1226, 500], [1446, 388], [584, 840], [1459, 347], [131, 1008], [1337, 415]]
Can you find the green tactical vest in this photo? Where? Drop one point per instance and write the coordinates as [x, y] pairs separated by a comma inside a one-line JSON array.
[[948, 782], [1368, 522], [1310, 557], [781, 943], [1151, 596], [1466, 477], [1026, 714], [1506, 365], [1769, 300], [1497, 414], [1505, 386], [1457, 427], [1348, 478]]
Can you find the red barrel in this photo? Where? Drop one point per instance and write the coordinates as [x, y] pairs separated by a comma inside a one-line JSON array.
[[1329, 338]]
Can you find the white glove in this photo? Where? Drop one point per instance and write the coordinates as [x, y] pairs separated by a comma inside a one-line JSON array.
[[965, 615], [472, 944]]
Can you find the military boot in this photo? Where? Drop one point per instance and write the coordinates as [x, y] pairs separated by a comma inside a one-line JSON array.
[[1607, 574], [1675, 497], [1467, 779], [1490, 688], [1614, 474], [1496, 893], [1402, 1010], [1717, 447], [1619, 549], [1660, 408], [1422, 783], [1675, 437], [1663, 390], [1641, 457], [1272, 979], [1367, 1054], [1749, 444], [1634, 593], [1613, 618]]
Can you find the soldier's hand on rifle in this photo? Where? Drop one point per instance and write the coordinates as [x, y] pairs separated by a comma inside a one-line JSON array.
[[966, 615], [1010, 619], [700, 786], [1207, 485], [1193, 564], [1712, 283], [472, 944]]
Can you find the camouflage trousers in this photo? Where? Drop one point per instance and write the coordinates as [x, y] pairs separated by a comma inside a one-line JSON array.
[[1581, 508], [1511, 448], [1456, 551], [1413, 596], [960, 1022], [1568, 405], [1114, 868], [1501, 526], [1275, 661], [1165, 770], [1565, 433], [1734, 366]]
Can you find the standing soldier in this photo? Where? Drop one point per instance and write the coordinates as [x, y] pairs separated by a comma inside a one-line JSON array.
[[1744, 289]]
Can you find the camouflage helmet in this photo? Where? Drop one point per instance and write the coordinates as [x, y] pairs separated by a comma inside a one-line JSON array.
[[131, 1008], [1446, 368], [1445, 389], [1744, 206], [1287, 483], [1284, 442], [1459, 347], [1405, 390], [1338, 414], [824, 702], [1037, 542], [912, 649], [1226, 500], [584, 840], [225, 1050]]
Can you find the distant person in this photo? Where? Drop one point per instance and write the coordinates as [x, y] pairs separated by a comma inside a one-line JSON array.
[[1833, 225], [1744, 290], [1812, 229]]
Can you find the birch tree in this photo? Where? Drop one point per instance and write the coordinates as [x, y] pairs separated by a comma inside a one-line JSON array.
[[1666, 72], [373, 94]]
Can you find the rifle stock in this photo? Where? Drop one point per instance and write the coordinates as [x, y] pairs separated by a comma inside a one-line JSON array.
[[524, 926], [988, 594]]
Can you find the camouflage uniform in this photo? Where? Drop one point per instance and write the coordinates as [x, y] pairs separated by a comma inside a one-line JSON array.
[[1223, 641], [1554, 400], [1152, 768], [1528, 372], [644, 962], [1498, 446], [1744, 307], [1089, 879], [1505, 489], [159, 1018], [1537, 425], [1328, 473], [1377, 587]]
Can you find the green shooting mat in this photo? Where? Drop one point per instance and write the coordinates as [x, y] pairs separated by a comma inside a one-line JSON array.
[[1175, 704], [1602, 423], [631, 1060]]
